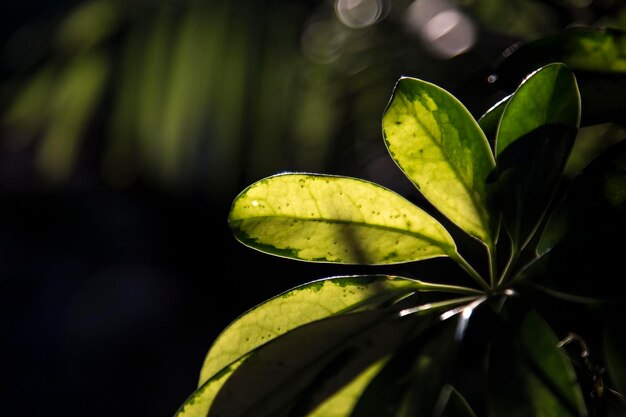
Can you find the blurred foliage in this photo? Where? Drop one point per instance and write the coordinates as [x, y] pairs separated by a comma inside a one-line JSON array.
[[214, 94]]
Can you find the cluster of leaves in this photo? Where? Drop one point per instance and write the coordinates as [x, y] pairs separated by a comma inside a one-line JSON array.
[[535, 331]]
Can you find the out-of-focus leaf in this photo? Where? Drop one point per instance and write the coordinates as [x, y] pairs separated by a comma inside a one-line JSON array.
[[595, 55], [294, 374], [412, 381], [437, 143], [588, 258], [534, 139], [322, 218], [300, 305], [529, 375]]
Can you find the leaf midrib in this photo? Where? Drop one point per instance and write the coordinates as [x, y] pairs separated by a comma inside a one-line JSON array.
[[456, 172], [348, 222]]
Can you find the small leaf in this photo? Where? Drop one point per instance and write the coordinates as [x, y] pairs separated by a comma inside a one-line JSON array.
[[490, 120], [437, 143], [529, 375], [322, 218], [534, 139]]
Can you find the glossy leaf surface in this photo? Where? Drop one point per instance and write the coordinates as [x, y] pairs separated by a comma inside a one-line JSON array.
[[529, 375], [322, 218], [440, 147], [535, 136]]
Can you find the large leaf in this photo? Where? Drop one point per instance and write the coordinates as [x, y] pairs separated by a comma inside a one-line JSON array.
[[304, 304], [299, 306], [535, 136], [322, 218], [597, 57], [294, 374], [529, 375], [437, 143], [199, 402]]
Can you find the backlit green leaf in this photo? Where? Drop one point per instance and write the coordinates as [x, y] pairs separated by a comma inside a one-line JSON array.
[[437, 143], [295, 373], [322, 218], [535, 136], [304, 304], [343, 402], [198, 403]]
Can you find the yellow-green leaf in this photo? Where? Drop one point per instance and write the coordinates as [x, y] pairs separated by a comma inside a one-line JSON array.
[[324, 218], [438, 144], [304, 304]]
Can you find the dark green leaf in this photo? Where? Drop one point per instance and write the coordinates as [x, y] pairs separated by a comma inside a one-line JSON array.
[[490, 120], [588, 258], [529, 375], [534, 139], [413, 380]]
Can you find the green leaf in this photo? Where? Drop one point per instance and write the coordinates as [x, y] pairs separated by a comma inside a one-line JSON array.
[[437, 143], [198, 403], [529, 375], [455, 405], [322, 218], [294, 374], [342, 403], [490, 120], [304, 304], [548, 96], [535, 136]]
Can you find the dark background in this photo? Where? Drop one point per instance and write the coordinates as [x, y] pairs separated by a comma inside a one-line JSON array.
[[117, 170]]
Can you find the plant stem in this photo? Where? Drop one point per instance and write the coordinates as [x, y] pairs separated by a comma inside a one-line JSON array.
[[471, 271], [491, 254], [512, 258]]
